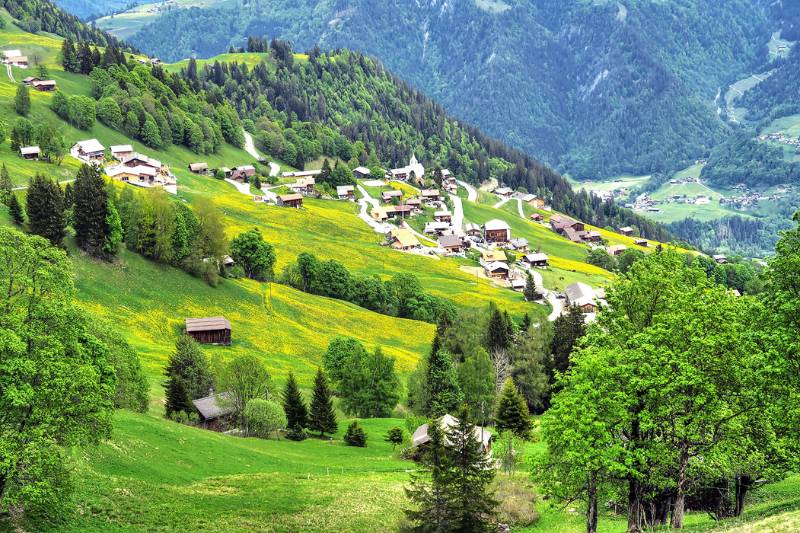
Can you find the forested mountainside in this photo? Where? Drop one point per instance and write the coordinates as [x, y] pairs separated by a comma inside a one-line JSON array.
[[595, 88], [90, 9], [777, 95]]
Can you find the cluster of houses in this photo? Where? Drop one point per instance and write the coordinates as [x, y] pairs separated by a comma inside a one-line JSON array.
[[574, 230], [411, 172], [396, 208], [39, 84], [127, 165], [15, 58], [781, 138], [241, 173]]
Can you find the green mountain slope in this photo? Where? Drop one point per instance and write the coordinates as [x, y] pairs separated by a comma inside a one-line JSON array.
[[597, 88]]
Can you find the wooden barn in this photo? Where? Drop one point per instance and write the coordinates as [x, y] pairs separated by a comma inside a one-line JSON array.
[[215, 411], [214, 330]]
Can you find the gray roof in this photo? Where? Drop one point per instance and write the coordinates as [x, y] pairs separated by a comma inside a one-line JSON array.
[[207, 324], [210, 408], [450, 241], [447, 422], [580, 294]]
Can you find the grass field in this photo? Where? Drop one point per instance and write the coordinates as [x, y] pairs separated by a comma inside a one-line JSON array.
[[618, 182], [126, 24]]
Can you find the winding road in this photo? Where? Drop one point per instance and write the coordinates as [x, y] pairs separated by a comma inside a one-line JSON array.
[[458, 213], [365, 202], [472, 194], [519, 208], [250, 148], [10, 73]]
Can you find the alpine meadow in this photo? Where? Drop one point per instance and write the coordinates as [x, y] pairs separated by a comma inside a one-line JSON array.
[[452, 266]]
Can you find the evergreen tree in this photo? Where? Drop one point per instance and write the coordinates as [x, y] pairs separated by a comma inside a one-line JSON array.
[[476, 375], [91, 214], [530, 289], [188, 376], [499, 332], [293, 405], [323, 417], [355, 435], [16, 211], [428, 491], [443, 393], [512, 411], [22, 100], [113, 238], [394, 436], [6, 186], [45, 207], [567, 329]]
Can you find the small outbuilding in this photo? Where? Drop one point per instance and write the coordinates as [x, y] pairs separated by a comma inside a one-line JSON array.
[[213, 330], [291, 200], [538, 260], [198, 168], [30, 152], [215, 411], [447, 423], [346, 192]]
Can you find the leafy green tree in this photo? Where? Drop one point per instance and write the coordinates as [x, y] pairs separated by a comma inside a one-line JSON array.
[[51, 143], [601, 258], [442, 391], [254, 255], [627, 258], [22, 100], [263, 417], [22, 133], [394, 436], [81, 112], [355, 435], [109, 113], [91, 211], [322, 417], [531, 365], [56, 384], [132, 386], [188, 377], [293, 405], [113, 238], [45, 207], [244, 378], [341, 350], [500, 330], [476, 376], [512, 412], [16, 211], [150, 134], [369, 386]]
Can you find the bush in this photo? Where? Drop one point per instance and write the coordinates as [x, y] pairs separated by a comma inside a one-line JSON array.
[[515, 502], [296, 433], [263, 417], [355, 435]]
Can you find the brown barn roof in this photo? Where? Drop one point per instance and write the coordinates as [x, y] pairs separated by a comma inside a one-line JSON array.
[[215, 323]]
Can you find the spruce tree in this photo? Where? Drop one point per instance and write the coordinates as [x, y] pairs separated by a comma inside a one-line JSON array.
[[15, 210], [90, 210], [567, 329], [188, 376], [512, 411], [6, 186], [430, 495], [498, 336], [45, 207], [293, 405], [323, 418], [22, 100], [355, 435], [443, 394], [530, 288]]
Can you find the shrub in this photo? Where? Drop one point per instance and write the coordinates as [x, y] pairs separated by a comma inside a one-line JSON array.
[[355, 435], [296, 433], [516, 502], [263, 417]]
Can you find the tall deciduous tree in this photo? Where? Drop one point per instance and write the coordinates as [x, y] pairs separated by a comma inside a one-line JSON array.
[[323, 417], [90, 210], [244, 378], [254, 255], [476, 377], [56, 384], [45, 207], [6, 186]]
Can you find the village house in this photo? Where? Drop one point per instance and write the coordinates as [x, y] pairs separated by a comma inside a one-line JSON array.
[[496, 230], [389, 196], [361, 173], [44, 85], [226, 172], [583, 296], [304, 186], [243, 173], [616, 249], [213, 330], [403, 239], [436, 228], [504, 192], [346, 192], [627, 231], [491, 256], [138, 175], [497, 270], [641, 242], [519, 244], [538, 260], [198, 168], [473, 230], [719, 259], [380, 214], [411, 171], [15, 58], [291, 200], [136, 160], [8, 54], [430, 195], [420, 438], [451, 244], [302, 173], [518, 284], [29, 80], [571, 229], [414, 203], [215, 411], [90, 151], [121, 151], [592, 236], [537, 202], [401, 211], [442, 216], [30, 152], [536, 217]]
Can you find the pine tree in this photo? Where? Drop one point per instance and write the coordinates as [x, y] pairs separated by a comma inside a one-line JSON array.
[[428, 492], [567, 329], [530, 288], [188, 376], [90, 210], [323, 418], [45, 207], [497, 333], [355, 435], [293, 405], [22, 100], [6, 186], [394, 436], [15, 210], [512, 411], [443, 394]]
